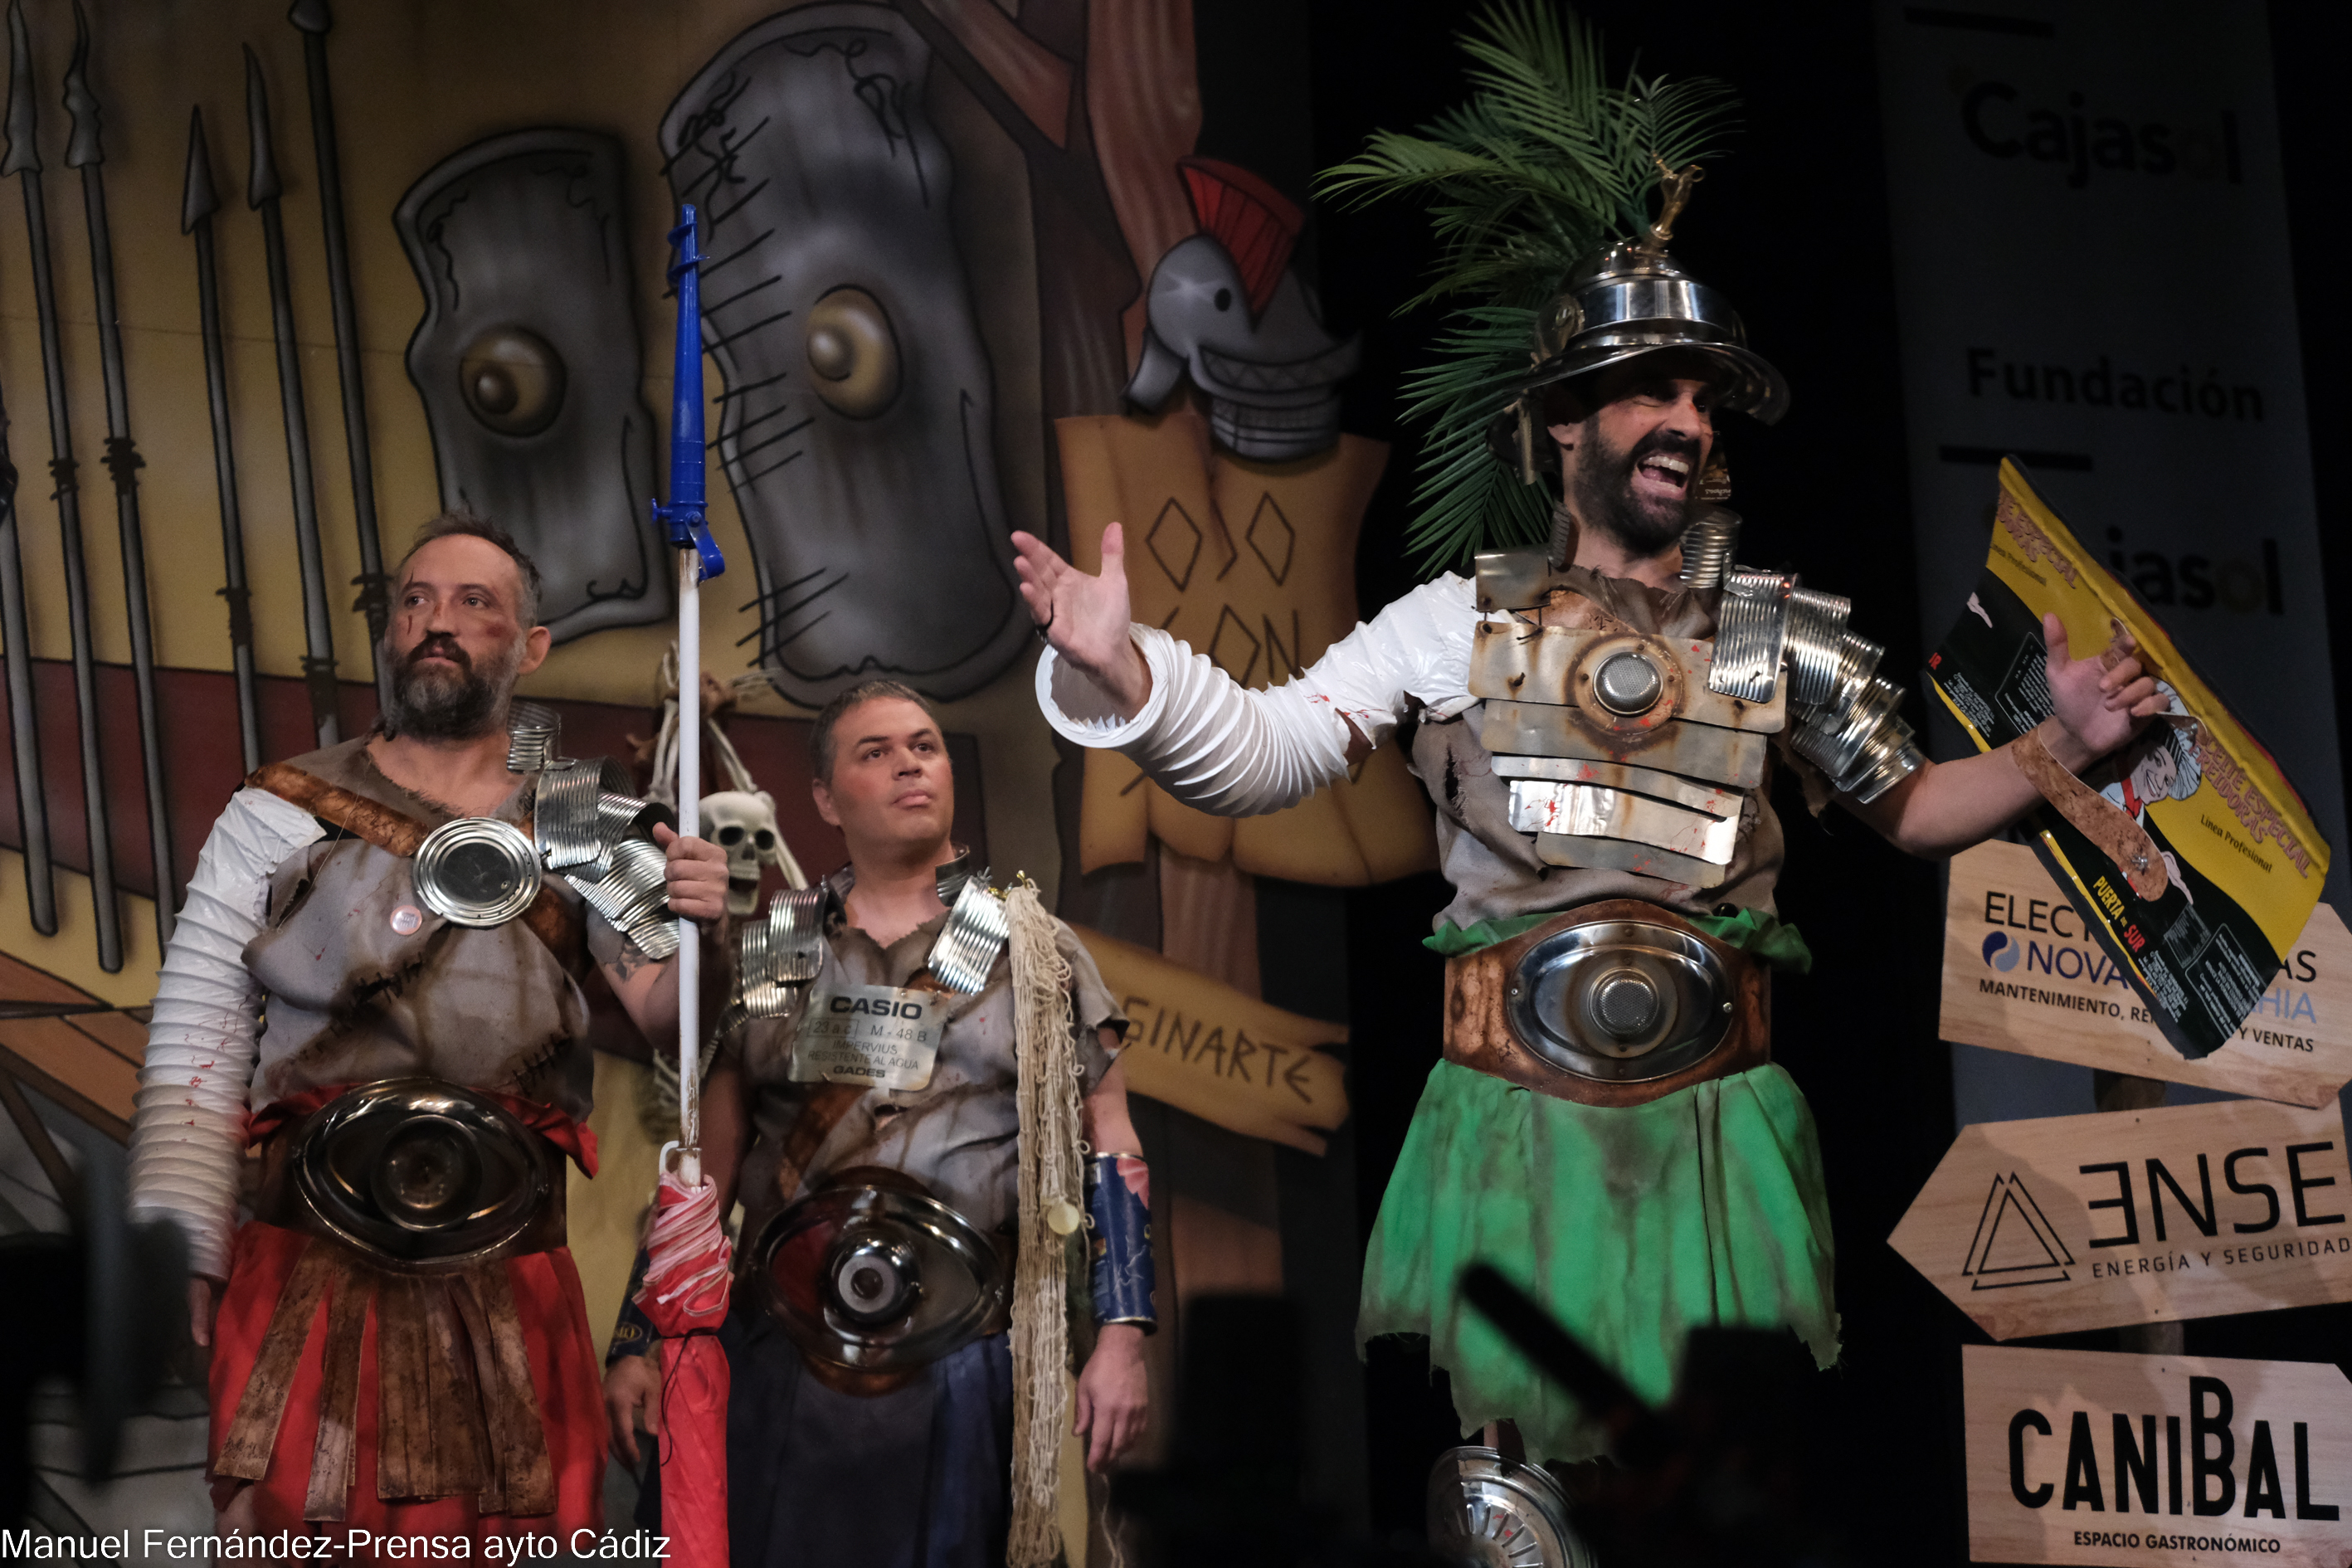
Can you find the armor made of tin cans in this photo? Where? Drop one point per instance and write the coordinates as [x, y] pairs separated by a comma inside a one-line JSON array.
[[958, 1134], [1635, 751], [364, 982], [1119, 1244], [778, 954]]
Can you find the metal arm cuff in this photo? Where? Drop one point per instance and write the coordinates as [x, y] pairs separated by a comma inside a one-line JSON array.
[[1118, 1213]]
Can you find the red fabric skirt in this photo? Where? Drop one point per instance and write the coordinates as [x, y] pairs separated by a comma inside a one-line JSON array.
[[563, 1372]]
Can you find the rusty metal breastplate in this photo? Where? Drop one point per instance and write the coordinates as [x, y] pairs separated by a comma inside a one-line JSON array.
[[1635, 751]]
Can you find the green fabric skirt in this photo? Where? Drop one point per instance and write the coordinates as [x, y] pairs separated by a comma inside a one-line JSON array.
[[1632, 1226]]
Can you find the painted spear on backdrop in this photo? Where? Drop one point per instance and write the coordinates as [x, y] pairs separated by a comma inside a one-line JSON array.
[[85, 152], [24, 160], [312, 19], [17, 645], [23, 722], [197, 203], [261, 192]]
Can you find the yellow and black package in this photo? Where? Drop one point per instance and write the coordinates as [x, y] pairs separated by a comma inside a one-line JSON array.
[[2189, 854]]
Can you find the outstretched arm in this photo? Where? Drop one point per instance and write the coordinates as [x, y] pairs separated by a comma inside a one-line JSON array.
[[1108, 683], [1946, 807], [1086, 618]]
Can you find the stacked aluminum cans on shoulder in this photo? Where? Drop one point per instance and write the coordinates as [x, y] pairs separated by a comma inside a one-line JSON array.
[[598, 835], [775, 956], [1847, 718]]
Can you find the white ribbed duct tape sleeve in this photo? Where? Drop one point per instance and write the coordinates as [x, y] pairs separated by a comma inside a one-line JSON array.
[[187, 1133], [1236, 752]]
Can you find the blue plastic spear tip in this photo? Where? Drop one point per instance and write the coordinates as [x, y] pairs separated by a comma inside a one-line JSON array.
[[684, 516]]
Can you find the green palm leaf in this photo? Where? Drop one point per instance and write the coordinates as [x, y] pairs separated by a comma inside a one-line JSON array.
[[1545, 164]]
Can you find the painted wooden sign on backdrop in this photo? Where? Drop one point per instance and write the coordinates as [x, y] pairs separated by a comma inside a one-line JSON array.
[[1198, 1044], [2089, 1457], [2063, 1223], [2021, 975]]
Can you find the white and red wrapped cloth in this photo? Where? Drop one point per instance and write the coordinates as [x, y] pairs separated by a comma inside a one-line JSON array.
[[685, 1294]]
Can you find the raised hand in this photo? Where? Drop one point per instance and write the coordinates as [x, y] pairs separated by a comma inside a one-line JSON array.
[[1086, 618], [2101, 701]]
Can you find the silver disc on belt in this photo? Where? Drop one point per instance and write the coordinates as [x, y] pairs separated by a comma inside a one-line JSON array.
[[477, 871], [879, 1278], [421, 1174], [1622, 1001], [1487, 1511]]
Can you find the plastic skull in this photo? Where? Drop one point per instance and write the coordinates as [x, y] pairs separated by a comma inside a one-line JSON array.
[[744, 825]]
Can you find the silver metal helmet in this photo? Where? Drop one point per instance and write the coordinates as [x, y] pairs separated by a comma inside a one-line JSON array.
[[1631, 299]]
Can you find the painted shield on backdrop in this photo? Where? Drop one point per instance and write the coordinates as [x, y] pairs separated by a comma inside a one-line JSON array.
[[528, 362], [858, 413]]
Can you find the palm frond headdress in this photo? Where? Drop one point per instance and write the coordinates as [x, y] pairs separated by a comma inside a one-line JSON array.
[[1538, 189]]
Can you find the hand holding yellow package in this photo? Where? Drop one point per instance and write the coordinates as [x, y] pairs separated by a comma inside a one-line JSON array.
[[2188, 853]]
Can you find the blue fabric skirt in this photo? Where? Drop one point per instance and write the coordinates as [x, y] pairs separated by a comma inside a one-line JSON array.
[[920, 1478]]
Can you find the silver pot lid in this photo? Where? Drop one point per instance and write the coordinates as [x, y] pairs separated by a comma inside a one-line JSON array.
[[477, 871]]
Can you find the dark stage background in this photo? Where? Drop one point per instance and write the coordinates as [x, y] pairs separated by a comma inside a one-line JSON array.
[[1794, 226]]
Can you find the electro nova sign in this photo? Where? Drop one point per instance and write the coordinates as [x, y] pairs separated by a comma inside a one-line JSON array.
[[2085, 1221], [2086, 1456]]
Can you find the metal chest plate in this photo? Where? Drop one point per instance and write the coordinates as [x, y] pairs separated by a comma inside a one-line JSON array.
[[1619, 753]]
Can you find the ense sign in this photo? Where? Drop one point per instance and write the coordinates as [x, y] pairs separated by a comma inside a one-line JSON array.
[[2085, 1457], [2085, 1222]]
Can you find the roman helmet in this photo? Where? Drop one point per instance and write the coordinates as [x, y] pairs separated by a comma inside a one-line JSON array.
[[1540, 190]]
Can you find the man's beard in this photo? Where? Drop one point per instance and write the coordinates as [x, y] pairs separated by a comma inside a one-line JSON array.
[[435, 703], [1605, 499]]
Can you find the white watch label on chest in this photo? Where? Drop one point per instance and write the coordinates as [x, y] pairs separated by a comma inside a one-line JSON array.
[[872, 1035]]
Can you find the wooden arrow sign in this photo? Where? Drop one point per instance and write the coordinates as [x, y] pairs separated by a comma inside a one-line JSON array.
[[2088, 1456], [2087, 1222], [2021, 975]]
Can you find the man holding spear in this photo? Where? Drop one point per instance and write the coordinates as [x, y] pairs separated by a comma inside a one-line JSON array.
[[939, 1190], [399, 1341], [869, 1362]]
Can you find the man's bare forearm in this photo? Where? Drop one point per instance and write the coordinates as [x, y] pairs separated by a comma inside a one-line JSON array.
[[1947, 807]]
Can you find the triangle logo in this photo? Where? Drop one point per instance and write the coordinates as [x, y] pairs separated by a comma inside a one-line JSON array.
[[2014, 1242]]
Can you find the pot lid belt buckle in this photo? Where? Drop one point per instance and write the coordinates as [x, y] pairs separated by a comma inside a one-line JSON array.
[[419, 1175]]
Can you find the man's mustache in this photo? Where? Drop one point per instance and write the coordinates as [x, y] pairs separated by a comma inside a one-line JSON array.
[[438, 645], [1657, 442]]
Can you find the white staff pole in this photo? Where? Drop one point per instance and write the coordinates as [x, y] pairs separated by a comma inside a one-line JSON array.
[[689, 532], [689, 825]]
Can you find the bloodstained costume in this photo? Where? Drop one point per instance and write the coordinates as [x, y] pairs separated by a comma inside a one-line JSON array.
[[904, 1456], [1606, 1125], [311, 980]]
